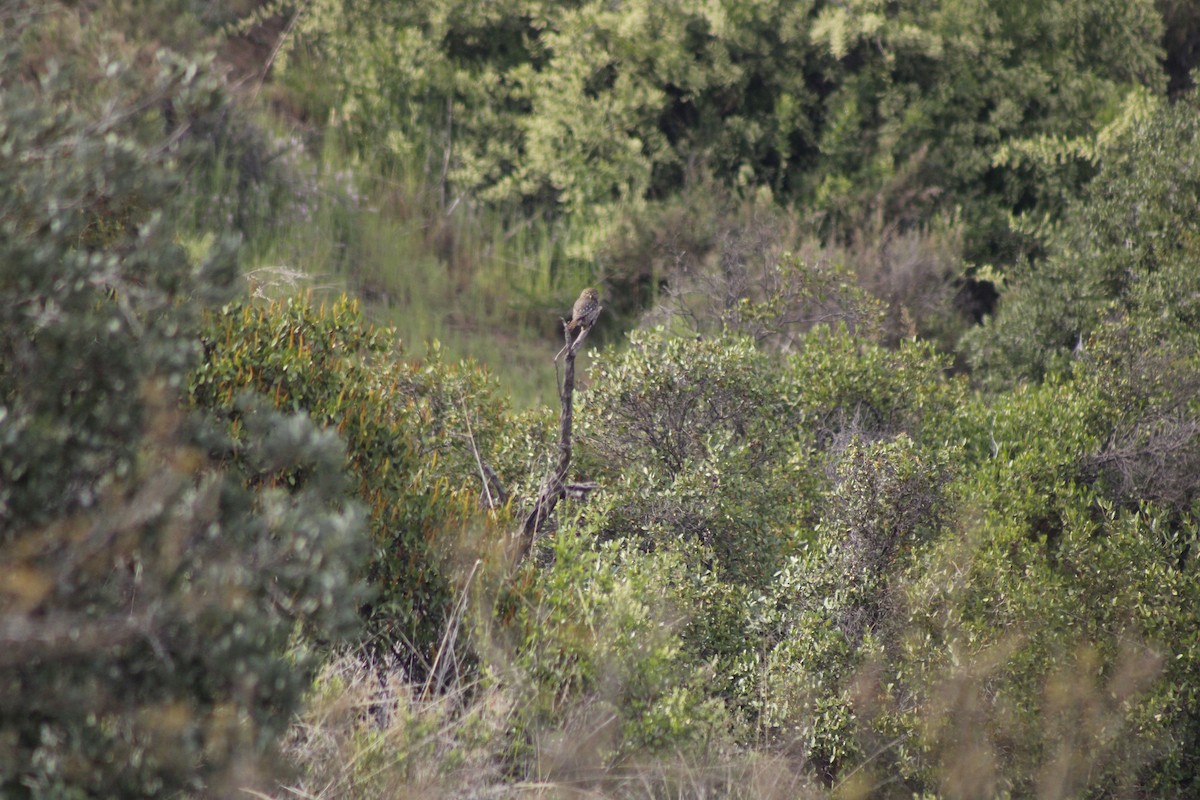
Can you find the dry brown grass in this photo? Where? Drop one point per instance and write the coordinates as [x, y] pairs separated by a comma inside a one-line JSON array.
[[368, 733]]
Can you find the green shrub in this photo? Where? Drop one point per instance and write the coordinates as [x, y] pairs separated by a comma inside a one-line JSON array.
[[1002, 627], [1148, 389], [1069, 648], [1037, 645], [411, 429], [868, 108], [711, 449], [596, 664], [836, 603], [690, 440], [1126, 252], [844, 386], [147, 600], [710, 441]]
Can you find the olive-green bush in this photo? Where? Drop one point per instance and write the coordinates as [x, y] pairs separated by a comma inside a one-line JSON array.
[[412, 429], [596, 664], [691, 441], [1125, 253], [147, 600], [1058, 621], [991, 619], [895, 108]]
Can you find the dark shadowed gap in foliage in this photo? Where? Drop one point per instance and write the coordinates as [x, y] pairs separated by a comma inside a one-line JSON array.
[[1181, 43], [975, 299]]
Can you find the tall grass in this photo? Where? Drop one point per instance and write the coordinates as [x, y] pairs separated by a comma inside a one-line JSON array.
[[477, 282], [369, 733]]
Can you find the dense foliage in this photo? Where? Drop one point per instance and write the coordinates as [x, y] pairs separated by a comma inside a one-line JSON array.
[[1125, 255], [904, 106], [411, 430], [839, 524], [147, 599]]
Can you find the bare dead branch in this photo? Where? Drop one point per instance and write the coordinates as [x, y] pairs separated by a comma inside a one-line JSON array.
[[554, 487]]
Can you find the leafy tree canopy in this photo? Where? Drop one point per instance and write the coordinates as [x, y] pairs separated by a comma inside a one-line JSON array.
[[905, 106]]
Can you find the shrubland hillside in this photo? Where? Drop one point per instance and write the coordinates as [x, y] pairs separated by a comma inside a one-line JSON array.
[[885, 457]]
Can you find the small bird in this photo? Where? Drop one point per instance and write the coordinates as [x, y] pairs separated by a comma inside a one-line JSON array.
[[585, 311], [583, 317]]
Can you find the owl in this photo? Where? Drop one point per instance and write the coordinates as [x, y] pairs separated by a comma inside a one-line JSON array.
[[585, 311], [583, 317]]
